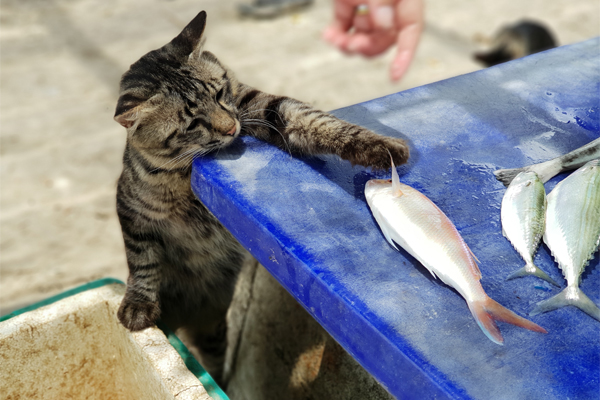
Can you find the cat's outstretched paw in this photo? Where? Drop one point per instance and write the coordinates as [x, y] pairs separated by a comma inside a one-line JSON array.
[[136, 316], [375, 153]]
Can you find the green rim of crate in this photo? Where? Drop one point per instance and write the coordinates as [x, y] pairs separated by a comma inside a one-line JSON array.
[[190, 362]]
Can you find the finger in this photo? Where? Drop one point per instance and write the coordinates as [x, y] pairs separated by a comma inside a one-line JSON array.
[[370, 45], [406, 47], [336, 36], [333, 33], [382, 13], [362, 23], [410, 23], [344, 11]]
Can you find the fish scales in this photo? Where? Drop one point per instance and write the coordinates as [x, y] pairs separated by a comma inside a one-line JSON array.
[[425, 221], [573, 219], [573, 234], [409, 219], [523, 220]]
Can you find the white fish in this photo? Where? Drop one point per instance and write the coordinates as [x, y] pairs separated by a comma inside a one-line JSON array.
[[522, 214], [548, 169], [408, 218], [573, 234]]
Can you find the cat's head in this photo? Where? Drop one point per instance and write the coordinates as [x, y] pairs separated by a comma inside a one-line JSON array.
[[179, 98]]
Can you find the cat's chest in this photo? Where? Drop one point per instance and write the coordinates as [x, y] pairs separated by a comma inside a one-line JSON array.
[[191, 220], [192, 230]]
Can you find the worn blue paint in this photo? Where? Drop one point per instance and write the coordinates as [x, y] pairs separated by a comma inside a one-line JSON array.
[[307, 222]]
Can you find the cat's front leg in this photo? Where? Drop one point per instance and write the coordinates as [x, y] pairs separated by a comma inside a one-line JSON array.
[[139, 308], [299, 128], [370, 149]]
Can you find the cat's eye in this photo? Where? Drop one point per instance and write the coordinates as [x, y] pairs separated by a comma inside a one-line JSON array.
[[194, 124], [220, 94]]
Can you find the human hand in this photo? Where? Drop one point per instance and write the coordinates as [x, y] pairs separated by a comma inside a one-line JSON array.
[[371, 30]]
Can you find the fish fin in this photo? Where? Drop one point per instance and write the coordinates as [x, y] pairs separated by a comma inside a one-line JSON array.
[[545, 170], [531, 269], [487, 312], [571, 296], [388, 237], [476, 270], [391, 242], [395, 179], [432, 273], [507, 175]]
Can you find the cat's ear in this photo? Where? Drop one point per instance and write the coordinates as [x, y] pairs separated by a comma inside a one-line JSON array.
[[190, 39], [128, 110], [128, 118]]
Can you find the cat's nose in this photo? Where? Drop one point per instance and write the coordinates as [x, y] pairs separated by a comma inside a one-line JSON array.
[[232, 130]]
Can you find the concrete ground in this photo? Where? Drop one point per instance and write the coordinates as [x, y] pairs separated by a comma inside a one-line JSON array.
[[61, 61]]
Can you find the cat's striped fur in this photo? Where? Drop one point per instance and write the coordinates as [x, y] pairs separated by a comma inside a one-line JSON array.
[[177, 103]]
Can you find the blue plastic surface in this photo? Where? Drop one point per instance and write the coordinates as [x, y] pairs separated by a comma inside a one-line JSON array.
[[307, 222]]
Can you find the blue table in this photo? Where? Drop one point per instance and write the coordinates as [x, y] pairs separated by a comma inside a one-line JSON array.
[[307, 222]]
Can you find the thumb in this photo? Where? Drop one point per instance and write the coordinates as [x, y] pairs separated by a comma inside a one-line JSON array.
[[382, 13]]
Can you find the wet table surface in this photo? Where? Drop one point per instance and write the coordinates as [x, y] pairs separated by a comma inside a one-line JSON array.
[[306, 220]]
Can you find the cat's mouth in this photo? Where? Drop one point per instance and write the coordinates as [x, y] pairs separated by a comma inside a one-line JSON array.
[[235, 129]]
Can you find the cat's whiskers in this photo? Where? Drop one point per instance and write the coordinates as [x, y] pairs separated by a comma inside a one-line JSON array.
[[174, 160], [191, 156], [200, 153], [267, 124], [248, 112]]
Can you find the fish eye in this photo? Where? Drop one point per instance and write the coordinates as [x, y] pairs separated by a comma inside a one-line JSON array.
[[389, 181]]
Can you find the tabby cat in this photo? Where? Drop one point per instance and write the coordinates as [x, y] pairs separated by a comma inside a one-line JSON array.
[[177, 103]]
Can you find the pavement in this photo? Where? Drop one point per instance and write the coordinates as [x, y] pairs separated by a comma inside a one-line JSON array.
[[60, 65]]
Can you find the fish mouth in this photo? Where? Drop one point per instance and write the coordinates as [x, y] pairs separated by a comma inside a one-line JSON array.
[[374, 182]]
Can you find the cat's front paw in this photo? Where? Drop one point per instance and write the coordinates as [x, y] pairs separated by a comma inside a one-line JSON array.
[[375, 153], [136, 316]]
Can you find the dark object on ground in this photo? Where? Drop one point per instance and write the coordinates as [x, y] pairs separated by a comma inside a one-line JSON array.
[[271, 8], [516, 41]]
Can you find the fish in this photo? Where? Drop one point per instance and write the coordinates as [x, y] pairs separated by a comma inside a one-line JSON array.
[[411, 220], [573, 235], [548, 169], [523, 213]]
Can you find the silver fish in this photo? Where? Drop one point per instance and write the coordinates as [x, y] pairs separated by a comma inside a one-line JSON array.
[[549, 169], [522, 214], [408, 218], [573, 234]]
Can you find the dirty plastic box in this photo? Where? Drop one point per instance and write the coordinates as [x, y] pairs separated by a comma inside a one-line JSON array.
[[73, 346]]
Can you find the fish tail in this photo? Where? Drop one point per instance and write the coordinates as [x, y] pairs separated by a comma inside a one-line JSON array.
[[571, 296], [531, 269], [545, 171], [488, 311], [507, 175]]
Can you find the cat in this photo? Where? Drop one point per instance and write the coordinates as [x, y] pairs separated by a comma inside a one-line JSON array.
[[515, 41], [177, 103]]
